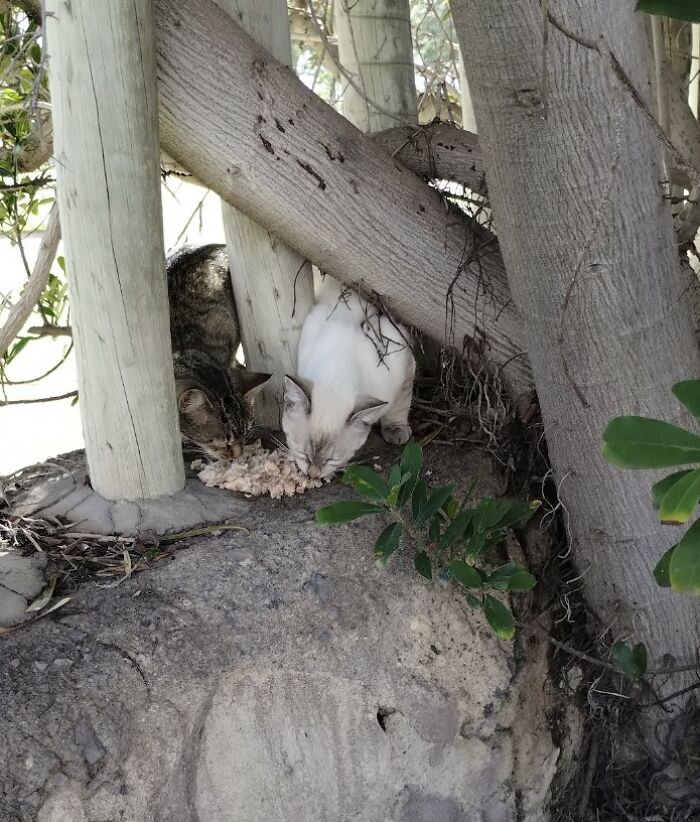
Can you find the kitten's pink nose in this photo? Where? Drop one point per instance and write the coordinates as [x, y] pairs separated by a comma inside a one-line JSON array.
[[235, 450]]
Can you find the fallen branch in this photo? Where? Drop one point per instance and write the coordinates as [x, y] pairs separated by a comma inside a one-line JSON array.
[[22, 309]]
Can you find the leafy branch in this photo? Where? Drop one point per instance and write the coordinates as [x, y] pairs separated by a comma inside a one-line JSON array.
[[449, 539], [644, 443]]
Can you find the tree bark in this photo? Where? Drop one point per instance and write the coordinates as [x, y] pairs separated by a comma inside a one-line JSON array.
[[106, 136], [439, 151], [272, 283], [593, 267], [369, 223]]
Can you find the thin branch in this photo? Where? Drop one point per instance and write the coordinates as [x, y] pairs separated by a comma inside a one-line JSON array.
[[7, 381], [40, 182], [22, 309], [65, 396], [533, 626], [51, 330]]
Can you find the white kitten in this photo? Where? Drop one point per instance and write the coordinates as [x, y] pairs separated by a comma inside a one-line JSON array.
[[355, 368]]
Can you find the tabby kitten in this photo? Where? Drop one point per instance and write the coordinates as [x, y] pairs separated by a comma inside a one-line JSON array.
[[214, 395]]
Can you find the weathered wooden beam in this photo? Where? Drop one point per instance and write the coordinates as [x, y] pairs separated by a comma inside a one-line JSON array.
[[105, 117], [374, 46], [272, 283], [246, 127]]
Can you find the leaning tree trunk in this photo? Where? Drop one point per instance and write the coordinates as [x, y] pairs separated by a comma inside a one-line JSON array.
[[574, 180], [106, 149], [275, 145], [272, 283]]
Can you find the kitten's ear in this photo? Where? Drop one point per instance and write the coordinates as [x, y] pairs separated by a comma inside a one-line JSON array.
[[194, 403], [297, 395], [250, 380], [367, 411]]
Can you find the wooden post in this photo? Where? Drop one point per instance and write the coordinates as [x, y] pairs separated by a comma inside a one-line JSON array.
[[468, 118], [374, 45], [272, 283], [105, 119]]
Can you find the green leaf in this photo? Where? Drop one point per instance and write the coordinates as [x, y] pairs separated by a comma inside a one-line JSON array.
[[396, 482], [476, 544], [662, 571], [419, 498], [631, 661], [387, 543], [366, 482], [411, 464], [435, 502], [660, 488], [472, 601], [512, 577], [688, 392], [423, 565], [499, 617], [468, 576], [487, 513], [687, 10], [345, 511], [515, 512], [639, 657], [455, 530], [639, 442], [681, 499], [452, 509], [684, 565], [394, 477]]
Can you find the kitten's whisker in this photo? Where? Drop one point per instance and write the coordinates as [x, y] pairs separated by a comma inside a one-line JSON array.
[[280, 445]]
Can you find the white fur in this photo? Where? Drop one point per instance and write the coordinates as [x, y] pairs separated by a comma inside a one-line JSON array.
[[355, 367]]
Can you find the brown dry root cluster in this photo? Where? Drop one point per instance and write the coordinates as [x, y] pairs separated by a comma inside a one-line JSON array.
[[257, 472]]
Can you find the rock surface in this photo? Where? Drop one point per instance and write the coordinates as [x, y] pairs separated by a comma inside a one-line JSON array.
[[21, 580], [273, 676]]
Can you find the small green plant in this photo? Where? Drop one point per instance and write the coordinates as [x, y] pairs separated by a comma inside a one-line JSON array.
[[449, 539], [640, 442]]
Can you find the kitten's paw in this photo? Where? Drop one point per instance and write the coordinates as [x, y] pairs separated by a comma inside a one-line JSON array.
[[396, 434]]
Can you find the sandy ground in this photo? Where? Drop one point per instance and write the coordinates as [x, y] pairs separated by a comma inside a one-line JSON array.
[[32, 433]]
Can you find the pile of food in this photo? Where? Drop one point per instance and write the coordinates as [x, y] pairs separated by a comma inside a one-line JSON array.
[[256, 472]]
